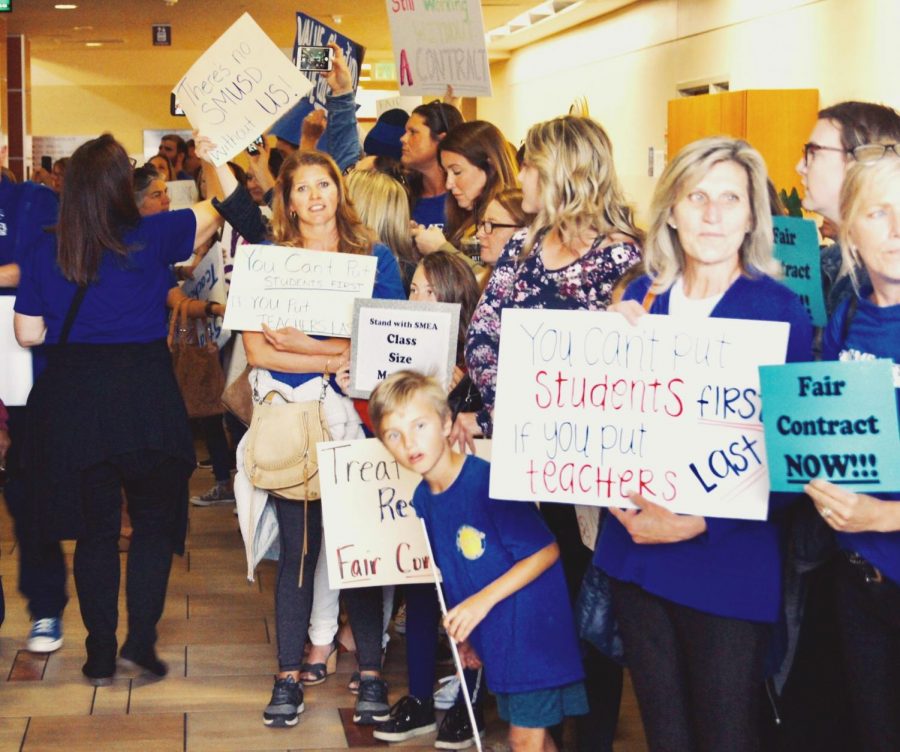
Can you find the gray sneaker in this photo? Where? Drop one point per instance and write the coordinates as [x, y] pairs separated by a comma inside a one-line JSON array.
[[371, 702], [221, 493], [286, 704]]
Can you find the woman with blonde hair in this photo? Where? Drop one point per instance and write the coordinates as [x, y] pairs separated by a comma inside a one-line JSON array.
[[581, 241], [867, 526], [382, 204], [311, 210], [696, 597]]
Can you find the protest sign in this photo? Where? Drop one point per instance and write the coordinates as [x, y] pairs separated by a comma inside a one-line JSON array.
[[393, 335], [183, 194], [208, 283], [312, 291], [440, 42], [237, 88], [313, 33], [832, 420], [408, 104], [16, 372], [372, 534], [590, 408], [797, 248]]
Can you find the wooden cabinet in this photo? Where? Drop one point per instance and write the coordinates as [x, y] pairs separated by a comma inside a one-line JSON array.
[[777, 122]]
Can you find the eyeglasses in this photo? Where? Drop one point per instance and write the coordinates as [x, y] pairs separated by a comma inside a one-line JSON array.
[[874, 152], [811, 149], [487, 227]]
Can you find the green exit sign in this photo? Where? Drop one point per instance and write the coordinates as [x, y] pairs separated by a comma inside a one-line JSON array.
[[5, 6]]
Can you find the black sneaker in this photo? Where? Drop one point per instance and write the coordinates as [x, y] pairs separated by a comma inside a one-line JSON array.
[[409, 717], [456, 730], [371, 702], [286, 704]]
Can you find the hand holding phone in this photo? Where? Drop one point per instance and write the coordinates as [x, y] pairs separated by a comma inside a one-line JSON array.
[[319, 59]]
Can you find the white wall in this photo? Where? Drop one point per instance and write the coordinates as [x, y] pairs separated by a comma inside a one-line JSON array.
[[629, 64]]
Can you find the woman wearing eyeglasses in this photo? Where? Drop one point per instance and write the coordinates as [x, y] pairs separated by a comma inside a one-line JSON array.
[[502, 217]]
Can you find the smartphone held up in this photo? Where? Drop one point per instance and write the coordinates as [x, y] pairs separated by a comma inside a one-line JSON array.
[[319, 59]]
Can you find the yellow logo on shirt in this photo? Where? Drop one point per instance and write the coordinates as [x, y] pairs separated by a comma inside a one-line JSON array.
[[470, 542]]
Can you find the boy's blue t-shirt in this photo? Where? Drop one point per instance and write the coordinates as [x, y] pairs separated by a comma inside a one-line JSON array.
[[127, 302], [527, 642]]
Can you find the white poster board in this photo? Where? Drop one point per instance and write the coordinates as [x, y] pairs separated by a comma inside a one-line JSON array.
[[208, 283], [393, 335], [237, 88], [16, 372], [590, 408], [439, 43], [372, 535], [183, 194], [312, 291], [407, 104]]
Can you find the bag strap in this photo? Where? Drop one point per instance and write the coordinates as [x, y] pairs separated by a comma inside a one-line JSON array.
[[852, 305], [74, 306], [647, 302]]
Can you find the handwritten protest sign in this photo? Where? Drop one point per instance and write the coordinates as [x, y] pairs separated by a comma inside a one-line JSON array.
[[182, 194], [589, 408], [16, 371], [372, 534], [312, 291], [440, 42], [238, 88], [407, 104], [797, 248], [391, 335], [208, 283], [832, 420]]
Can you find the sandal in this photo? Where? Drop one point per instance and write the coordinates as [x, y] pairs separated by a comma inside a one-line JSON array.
[[312, 674]]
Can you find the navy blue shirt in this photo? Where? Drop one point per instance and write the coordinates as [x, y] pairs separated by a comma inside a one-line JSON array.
[[734, 568], [388, 285], [25, 210], [431, 212], [527, 641], [127, 302], [874, 333]]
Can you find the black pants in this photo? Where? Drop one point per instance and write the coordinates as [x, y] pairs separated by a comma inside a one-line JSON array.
[[868, 615], [155, 499], [42, 568], [293, 602], [698, 677], [602, 676]]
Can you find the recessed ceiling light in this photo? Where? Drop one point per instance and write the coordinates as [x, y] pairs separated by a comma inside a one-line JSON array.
[[65, 6], [82, 28], [93, 44]]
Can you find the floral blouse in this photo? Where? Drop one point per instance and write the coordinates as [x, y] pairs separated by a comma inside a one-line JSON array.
[[586, 283]]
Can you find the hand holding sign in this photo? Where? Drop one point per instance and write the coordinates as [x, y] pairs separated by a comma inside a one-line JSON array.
[[849, 512], [651, 523]]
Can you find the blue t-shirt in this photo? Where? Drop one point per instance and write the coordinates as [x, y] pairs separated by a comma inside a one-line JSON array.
[[127, 301], [527, 641], [734, 569], [431, 212], [25, 210], [388, 285], [874, 333]]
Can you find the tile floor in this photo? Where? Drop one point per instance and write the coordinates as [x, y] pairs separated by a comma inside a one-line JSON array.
[[217, 635]]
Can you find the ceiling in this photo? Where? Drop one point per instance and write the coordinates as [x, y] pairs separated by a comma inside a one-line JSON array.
[[126, 24]]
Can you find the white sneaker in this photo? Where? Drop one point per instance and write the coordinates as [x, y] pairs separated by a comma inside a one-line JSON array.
[[445, 695]]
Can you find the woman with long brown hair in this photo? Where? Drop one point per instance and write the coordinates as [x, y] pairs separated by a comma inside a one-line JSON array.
[[106, 413]]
